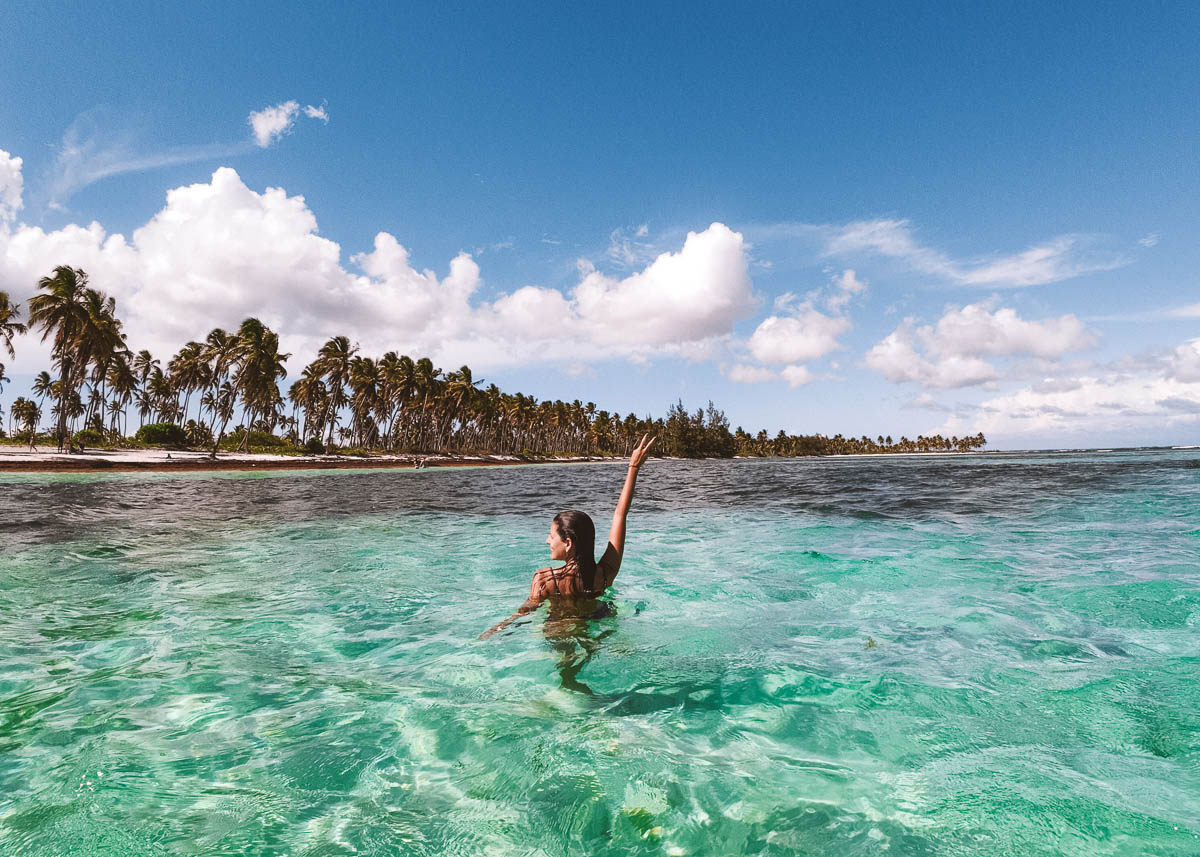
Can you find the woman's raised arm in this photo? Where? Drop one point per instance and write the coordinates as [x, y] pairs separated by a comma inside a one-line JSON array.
[[616, 534]]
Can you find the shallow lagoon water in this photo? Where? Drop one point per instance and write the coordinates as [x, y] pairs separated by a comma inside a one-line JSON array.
[[971, 655]]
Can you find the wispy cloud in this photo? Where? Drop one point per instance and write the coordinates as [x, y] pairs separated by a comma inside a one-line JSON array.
[[925, 402], [1055, 259], [98, 145], [1059, 258], [630, 246], [1165, 314]]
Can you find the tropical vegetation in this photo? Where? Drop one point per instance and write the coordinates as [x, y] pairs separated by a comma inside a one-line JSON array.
[[342, 399]]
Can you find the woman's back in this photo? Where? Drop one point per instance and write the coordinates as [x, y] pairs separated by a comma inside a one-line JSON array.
[[568, 592]]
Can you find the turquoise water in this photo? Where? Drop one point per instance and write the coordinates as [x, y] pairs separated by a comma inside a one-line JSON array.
[[905, 656]]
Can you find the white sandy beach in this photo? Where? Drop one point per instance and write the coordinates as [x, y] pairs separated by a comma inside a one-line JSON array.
[[46, 458]]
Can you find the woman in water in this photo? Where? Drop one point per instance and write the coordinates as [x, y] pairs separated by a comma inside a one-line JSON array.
[[574, 587]]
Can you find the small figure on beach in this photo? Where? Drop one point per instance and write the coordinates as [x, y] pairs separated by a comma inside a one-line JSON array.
[[573, 589]]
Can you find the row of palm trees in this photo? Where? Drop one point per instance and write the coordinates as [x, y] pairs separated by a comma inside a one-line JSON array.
[[23, 412], [395, 403], [98, 376], [787, 445], [391, 403]]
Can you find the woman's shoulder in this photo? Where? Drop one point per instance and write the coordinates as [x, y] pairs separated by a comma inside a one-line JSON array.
[[608, 565], [545, 577], [610, 558]]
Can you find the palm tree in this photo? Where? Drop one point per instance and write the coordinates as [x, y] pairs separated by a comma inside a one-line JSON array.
[[364, 398], [190, 371], [220, 351], [160, 394], [62, 313], [333, 360], [122, 384], [43, 386], [144, 364], [404, 390], [390, 382], [460, 390], [26, 415], [10, 324], [259, 370], [100, 343], [425, 378], [309, 393], [220, 403]]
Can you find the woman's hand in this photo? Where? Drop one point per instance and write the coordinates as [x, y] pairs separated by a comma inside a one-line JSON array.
[[641, 450]]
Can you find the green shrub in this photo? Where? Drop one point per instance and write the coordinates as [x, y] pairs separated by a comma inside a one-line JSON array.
[[41, 438], [89, 437], [262, 438], [314, 447], [167, 434]]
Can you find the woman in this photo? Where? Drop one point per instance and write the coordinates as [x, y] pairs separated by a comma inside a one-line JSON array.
[[572, 588]]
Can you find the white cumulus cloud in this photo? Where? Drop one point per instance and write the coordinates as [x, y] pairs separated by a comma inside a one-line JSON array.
[[898, 359], [219, 251], [271, 123], [951, 353], [1183, 364], [798, 338], [743, 373], [796, 376], [796, 333], [11, 185], [1077, 410], [686, 296], [977, 330], [846, 286]]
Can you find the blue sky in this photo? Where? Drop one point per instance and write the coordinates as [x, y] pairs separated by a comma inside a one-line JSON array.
[[881, 218]]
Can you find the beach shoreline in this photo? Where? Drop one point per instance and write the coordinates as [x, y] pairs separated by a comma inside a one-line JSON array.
[[14, 460], [20, 460]]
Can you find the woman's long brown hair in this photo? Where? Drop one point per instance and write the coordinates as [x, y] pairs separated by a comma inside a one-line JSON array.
[[578, 527]]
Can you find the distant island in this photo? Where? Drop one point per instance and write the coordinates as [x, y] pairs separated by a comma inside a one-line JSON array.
[[343, 401]]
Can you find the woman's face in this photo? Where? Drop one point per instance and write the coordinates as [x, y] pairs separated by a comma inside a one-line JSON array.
[[559, 549]]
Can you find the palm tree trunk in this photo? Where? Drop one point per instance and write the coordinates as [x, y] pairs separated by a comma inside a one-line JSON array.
[[62, 406], [217, 437]]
